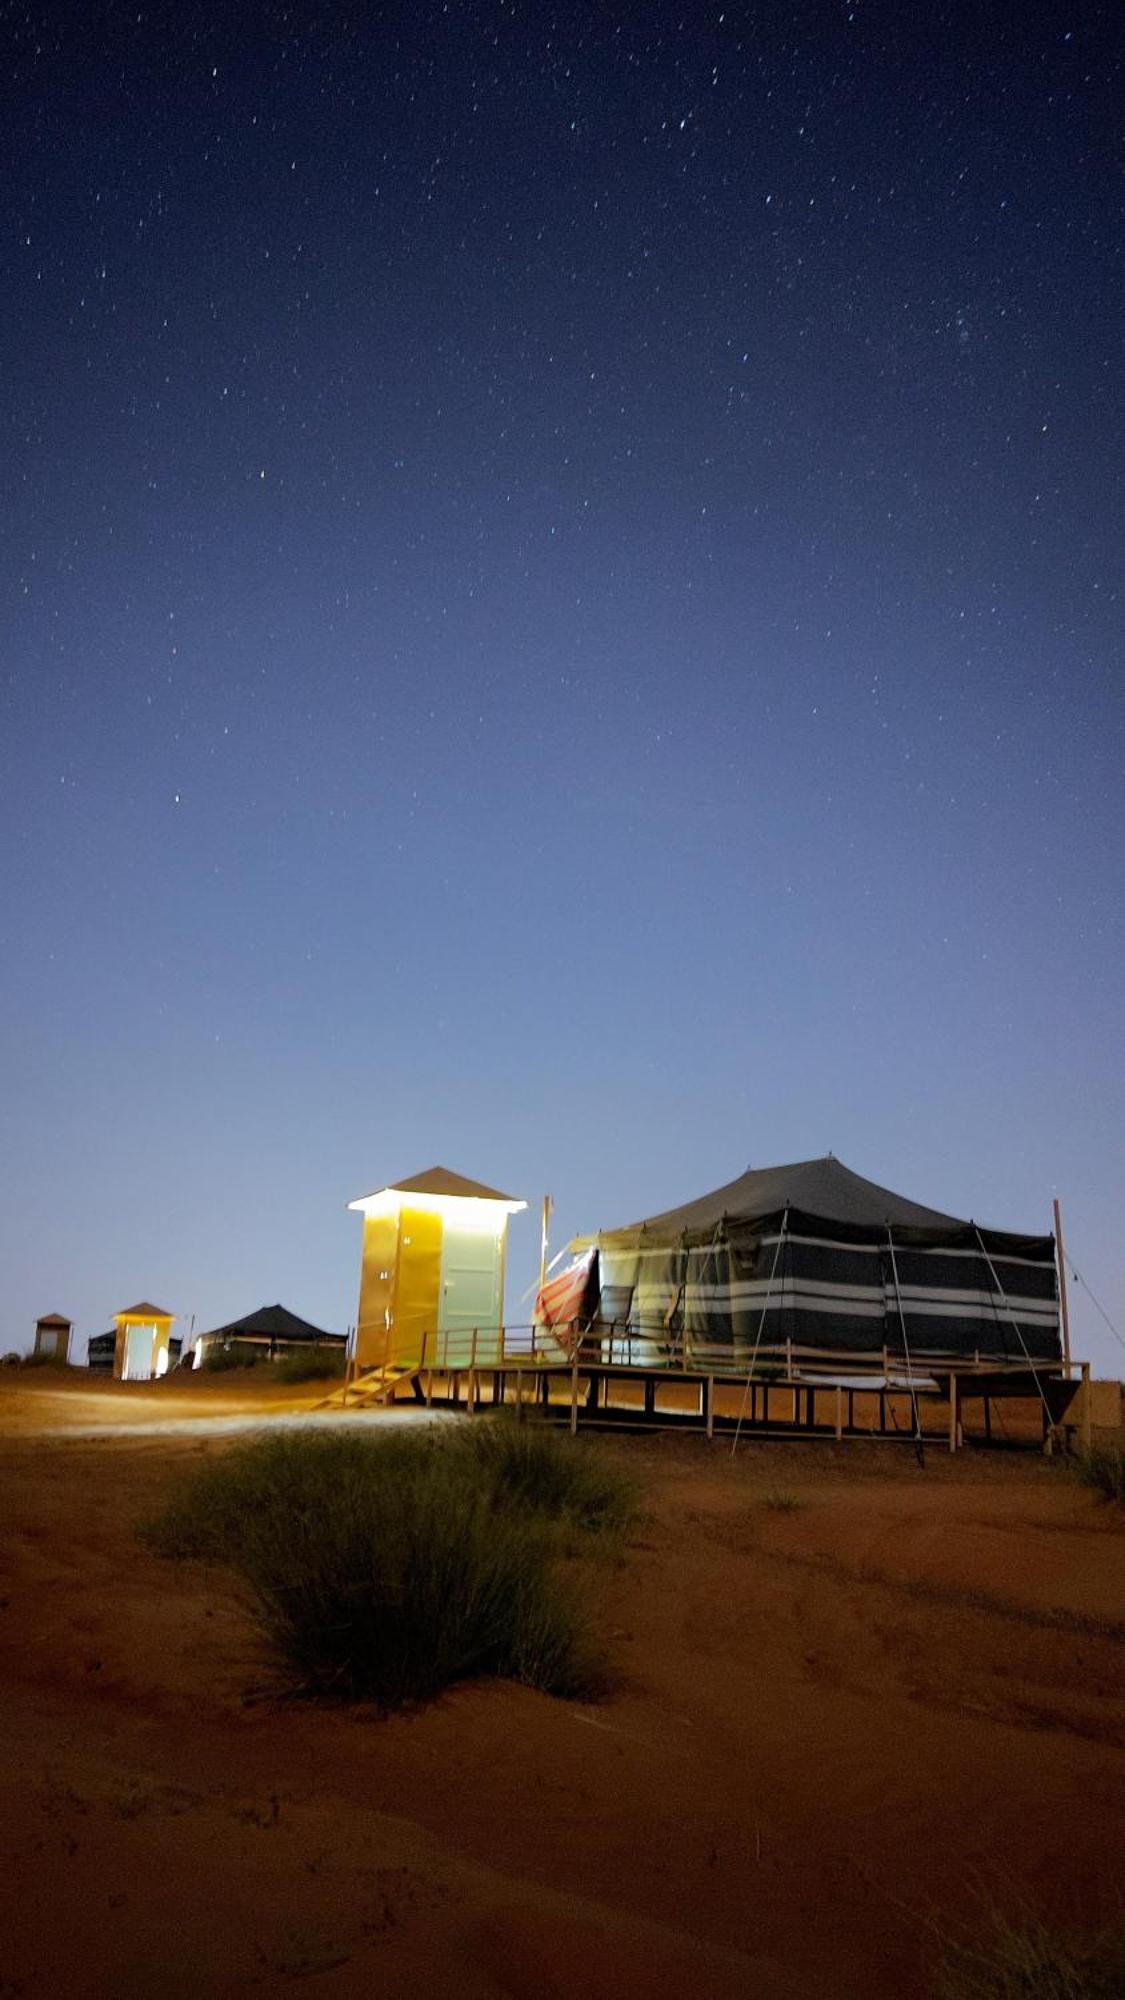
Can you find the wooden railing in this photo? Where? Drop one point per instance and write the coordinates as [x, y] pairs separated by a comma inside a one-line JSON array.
[[658, 1349]]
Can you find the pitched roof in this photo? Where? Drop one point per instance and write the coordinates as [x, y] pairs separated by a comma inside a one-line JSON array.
[[53, 1319], [820, 1187], [144, 1311], [272, 1323], [440, 1180]]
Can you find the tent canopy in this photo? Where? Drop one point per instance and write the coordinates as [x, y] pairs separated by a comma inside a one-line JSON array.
[[270, 1323], [820, 1187], [813, 1256]]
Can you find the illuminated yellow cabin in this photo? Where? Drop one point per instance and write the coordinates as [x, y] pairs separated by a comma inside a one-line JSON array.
[[140, 1349], [433, 1268]]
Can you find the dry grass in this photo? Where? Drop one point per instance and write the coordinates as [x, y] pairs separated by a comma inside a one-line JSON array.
[[1029, 1961], [386, 1569], [1103, 1467]]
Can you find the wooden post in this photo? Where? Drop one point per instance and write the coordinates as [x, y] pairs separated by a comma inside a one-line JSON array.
[[471, 1398], [953, 1426], [1087, 1419], [839, 1413], [709, 1404], [1063, 1305], [574, 1396]]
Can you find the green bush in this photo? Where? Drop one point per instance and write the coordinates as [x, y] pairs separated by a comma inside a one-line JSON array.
[[324, 1365], [385, 1569], [531, 1467], [238, 1354], [1027, 1961], [1103, 1467]]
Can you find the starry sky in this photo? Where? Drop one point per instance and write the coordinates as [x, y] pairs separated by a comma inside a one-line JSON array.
[[560, 575]]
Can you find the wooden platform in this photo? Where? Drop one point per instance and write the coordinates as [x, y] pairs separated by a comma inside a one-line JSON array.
[[949, 1404]]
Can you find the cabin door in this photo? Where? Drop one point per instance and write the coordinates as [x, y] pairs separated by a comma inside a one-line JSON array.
[[138, 1354], [470, 1291]]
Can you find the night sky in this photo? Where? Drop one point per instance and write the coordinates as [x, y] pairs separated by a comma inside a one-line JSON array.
[[561, 594]]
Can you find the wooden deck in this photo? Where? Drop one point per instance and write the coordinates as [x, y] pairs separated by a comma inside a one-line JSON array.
[[941, 1401]]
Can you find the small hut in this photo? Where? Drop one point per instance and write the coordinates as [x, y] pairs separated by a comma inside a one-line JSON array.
[[141, 1343], [432, 1267], [52, 1337]]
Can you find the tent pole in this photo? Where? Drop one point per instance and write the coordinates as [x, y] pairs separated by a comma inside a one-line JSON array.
[[1063, 1304], [544, 1226]]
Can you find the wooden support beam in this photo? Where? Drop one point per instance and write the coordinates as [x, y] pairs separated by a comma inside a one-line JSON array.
[[709, 1404], [839, 1413], [1087, 1419], [574, 1397], [953, 1423]]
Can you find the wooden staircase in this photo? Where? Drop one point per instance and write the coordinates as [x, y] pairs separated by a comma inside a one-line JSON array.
[[374, 1388]]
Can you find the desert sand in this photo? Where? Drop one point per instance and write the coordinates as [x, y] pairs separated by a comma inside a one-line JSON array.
[[833, 1733]]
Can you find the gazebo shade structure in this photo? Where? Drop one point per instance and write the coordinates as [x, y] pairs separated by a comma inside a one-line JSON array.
[[52, 1336], [815, 1256], [274, 1330], [432, 1266], [141, 1342]]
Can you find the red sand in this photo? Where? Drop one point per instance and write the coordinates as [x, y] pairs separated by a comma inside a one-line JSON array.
[[832, 1728]]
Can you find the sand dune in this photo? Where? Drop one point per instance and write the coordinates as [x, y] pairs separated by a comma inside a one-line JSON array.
[[829, 1726]]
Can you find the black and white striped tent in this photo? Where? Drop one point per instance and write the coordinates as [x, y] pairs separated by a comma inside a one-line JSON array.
[[814, 1255]]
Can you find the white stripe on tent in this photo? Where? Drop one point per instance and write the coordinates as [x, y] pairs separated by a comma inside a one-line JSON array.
[[817, 1243], [751, 1289], [648, 1309]]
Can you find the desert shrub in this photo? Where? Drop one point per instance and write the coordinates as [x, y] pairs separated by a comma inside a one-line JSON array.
[[311, 1366], [40, 1360], [533, 1468], [1027, 1961], [1103, 1467], [238, 1354], [384, 1569], [781, 1503]]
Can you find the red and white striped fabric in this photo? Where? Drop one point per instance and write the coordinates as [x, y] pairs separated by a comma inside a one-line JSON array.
[[559, 1304]]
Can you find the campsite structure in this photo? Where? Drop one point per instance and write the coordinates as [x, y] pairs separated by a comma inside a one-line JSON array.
[[52, 1337], [268, 1334], [802, 1299], [432, 1270], [141, 1342]]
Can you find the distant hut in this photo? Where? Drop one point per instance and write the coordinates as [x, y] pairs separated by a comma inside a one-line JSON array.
[[432, 1267], [52, 1337], [269, 1334], [102, 1347], [142, 1346]]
